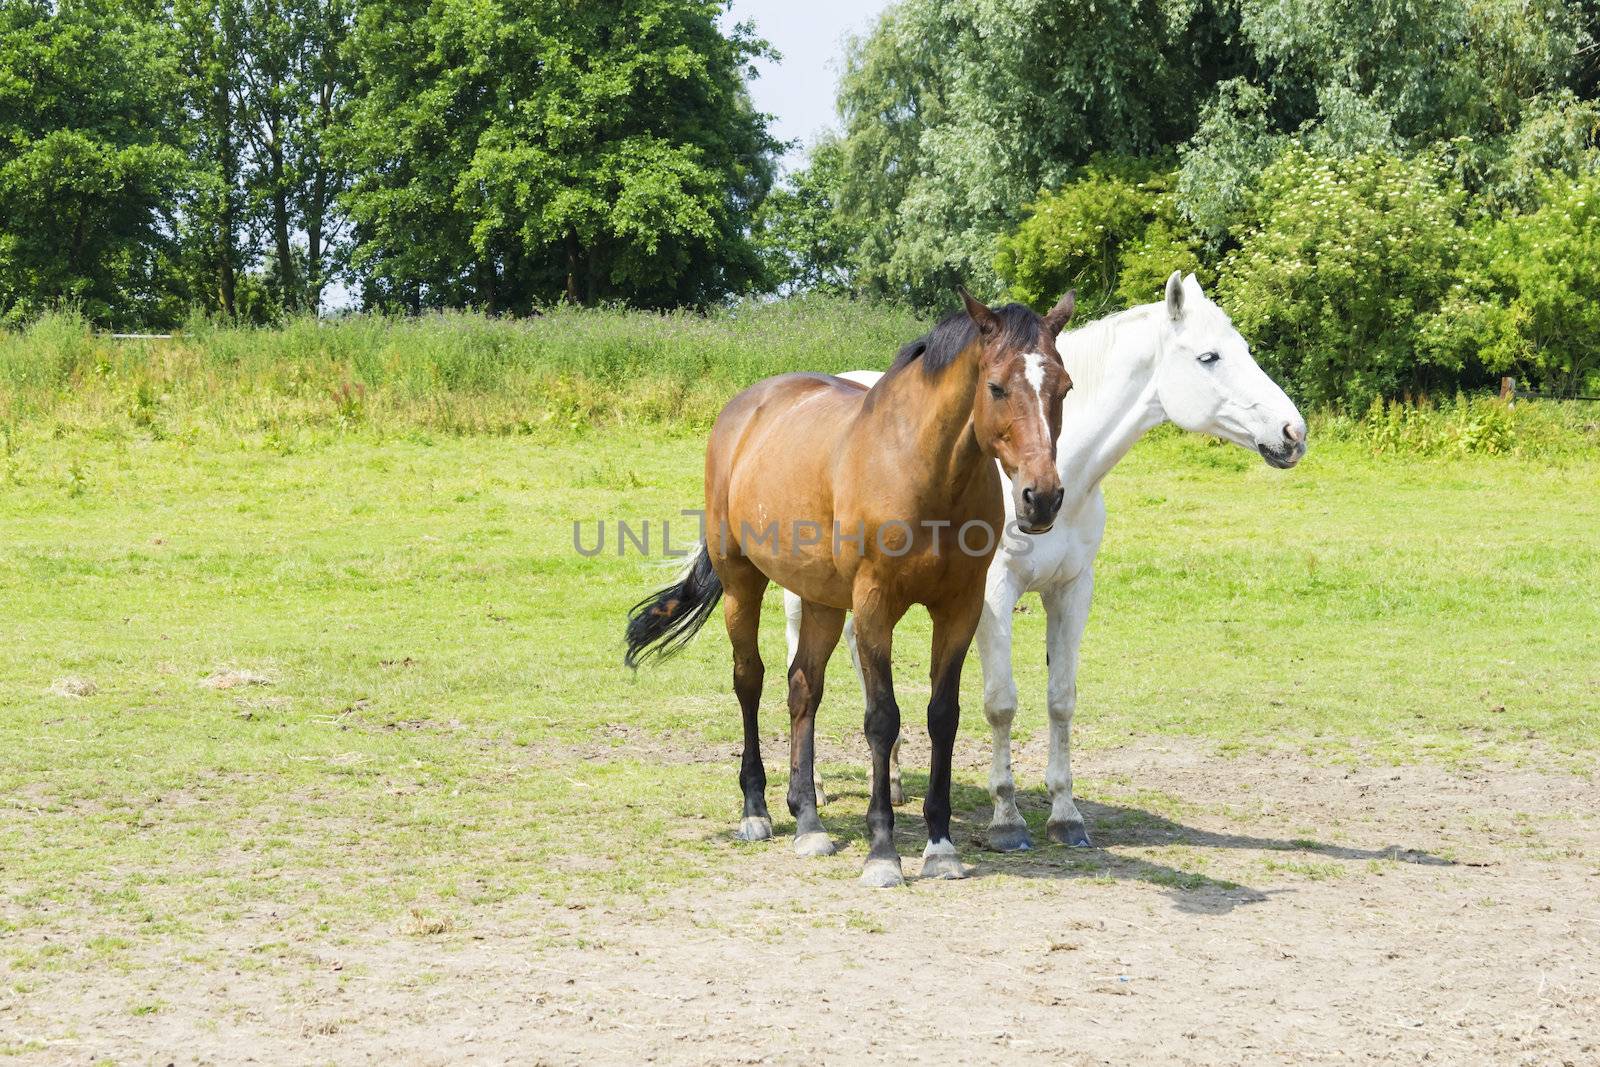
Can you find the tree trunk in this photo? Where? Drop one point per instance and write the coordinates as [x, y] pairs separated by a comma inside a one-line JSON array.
[[227, 251], [314, 212], [572, 268], [488, 289], [317, 208], [280, 217]]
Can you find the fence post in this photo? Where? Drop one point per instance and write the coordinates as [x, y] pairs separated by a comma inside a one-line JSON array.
[[1508, 390]]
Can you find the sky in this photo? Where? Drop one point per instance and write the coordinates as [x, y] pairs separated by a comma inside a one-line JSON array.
[[809, 34]]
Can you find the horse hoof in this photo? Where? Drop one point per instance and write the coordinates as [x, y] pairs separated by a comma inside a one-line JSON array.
[[897, 794], [1072, 834], [941, 861], [754, 828], [882, 874], [813, 844], [1009, 839]]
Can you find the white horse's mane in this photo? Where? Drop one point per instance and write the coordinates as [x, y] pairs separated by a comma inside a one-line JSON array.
[[1089, 351], [1094, 351]]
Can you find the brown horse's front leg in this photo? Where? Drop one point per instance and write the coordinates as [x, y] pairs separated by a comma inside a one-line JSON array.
[[819, 634], [875, 637], [953, 627]]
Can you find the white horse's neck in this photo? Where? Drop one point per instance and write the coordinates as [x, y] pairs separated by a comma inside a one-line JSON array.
[[1113, 401]]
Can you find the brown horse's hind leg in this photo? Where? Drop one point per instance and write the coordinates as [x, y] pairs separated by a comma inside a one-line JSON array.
[[819, 633], [743, 586], [953, 627]]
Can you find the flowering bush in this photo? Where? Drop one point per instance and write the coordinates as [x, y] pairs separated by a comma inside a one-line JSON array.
[[1343, 263]]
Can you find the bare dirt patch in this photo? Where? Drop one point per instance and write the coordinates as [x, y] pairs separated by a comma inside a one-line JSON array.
[[234, 678], [1237, 910]]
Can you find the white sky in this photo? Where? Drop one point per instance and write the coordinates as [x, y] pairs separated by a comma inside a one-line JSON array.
[[809, 34]]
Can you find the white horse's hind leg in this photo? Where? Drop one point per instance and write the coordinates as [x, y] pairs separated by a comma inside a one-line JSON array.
[[1007, 831], [1067, 611]]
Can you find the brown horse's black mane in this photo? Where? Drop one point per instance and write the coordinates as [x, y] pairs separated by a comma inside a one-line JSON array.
[[1019, 327]]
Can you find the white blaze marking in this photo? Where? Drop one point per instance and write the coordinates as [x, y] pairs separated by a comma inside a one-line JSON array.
[[1035, 375]]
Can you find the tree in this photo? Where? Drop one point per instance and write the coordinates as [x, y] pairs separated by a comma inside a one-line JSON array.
[[216, 228], [956, 115], [511, 154], [91, 159], [1347, 77], [808, 243], [293, 91]]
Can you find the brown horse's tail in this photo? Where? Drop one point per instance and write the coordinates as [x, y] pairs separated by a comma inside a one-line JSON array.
[[662, 623]]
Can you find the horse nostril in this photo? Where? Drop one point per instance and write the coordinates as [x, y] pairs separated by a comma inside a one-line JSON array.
[[1027, 495], [1293, 434], [1061, 494]]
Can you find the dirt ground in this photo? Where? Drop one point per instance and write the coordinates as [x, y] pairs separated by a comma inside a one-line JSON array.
[[1289, 913]]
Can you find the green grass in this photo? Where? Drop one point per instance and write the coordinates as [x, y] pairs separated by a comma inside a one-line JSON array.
[[448, 724], [566, 370]]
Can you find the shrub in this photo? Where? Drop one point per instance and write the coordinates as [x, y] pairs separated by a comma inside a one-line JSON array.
[[1113, 234], [1475, 425], [1344, 261], [1529, 298]]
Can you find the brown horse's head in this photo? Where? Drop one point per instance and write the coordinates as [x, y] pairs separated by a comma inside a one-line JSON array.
[[1017, 410]]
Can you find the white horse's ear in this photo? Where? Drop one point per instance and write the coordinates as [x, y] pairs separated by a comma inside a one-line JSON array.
[[1175, 295], [1056, 319]]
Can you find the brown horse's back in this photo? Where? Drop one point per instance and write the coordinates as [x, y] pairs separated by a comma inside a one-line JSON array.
[[779, 515]]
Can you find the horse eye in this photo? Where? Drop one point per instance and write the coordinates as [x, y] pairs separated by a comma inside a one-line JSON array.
[[1209, 357], [996, 391]]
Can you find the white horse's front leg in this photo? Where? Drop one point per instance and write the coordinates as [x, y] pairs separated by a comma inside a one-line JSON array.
[[1007, 831], [1067, 611]]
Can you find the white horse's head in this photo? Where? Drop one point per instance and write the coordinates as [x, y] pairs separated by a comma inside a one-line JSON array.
[[1208, 382]]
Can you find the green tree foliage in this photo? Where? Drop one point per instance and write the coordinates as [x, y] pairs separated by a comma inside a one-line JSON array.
[[267, 89], [1345, 263], [1342, 77], [91, 159], [808, 243], [1528, 300], [1112, 234], [957, 114], [514, 153]]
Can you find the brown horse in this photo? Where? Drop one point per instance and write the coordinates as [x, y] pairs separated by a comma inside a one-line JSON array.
[[871, 501]]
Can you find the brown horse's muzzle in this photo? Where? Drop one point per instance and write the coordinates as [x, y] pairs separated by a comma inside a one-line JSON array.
[[1038, 504]]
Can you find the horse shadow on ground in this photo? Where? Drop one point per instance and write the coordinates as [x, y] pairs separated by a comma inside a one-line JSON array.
[[1111, 826]]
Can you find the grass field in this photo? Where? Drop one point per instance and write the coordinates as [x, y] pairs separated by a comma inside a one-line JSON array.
[[346, 679]]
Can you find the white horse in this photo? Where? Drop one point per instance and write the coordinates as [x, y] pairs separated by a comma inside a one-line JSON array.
[[1177, 360]]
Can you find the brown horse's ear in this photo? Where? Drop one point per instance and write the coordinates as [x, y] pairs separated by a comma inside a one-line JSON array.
[[980, 313], [1056, 319]]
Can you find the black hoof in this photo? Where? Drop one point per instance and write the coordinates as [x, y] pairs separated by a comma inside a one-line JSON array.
[[1071, 834], [1009, 839]]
